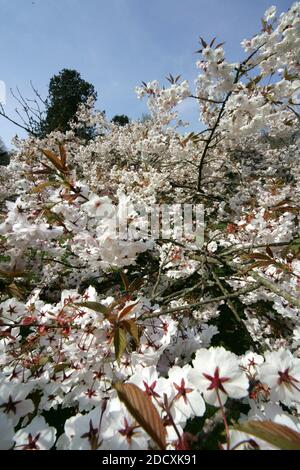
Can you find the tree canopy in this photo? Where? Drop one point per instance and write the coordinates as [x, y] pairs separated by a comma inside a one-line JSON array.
[[4, 155], [120, 119], [67, 90]]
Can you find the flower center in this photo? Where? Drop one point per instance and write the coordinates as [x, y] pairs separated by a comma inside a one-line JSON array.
[[182, 391], [10, 405], [128, 431], [149, 389], [287, 379], [216, 381], [32, 443]]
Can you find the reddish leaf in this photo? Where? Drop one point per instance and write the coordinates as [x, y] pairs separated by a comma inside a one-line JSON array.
[[232, 228], [126, 310], [135, 285], [270, 252], [170, 78], [261, 264], [142, 409], [54, 159], [132, 329], [28, 321], [259, 256], [13, 274], [275, 434], [63, 154]]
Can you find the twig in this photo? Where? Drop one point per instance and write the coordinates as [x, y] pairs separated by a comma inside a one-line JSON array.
[[30, 131], [201, 98], [239, 71], [163, 264], [273, 288], [225, 292], [245, 290], [62, 263], [180, 293], [264, 282], [247, 246]]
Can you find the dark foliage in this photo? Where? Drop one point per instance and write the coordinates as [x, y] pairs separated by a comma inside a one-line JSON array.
[[67, 91]]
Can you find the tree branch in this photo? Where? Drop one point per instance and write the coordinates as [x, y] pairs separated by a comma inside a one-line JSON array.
[[245, 290]]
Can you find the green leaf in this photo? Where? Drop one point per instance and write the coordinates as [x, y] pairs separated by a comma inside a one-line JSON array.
[[13, 274], [60, 367], [40, 187], [125, 281], [43, 361], [96, 306], [275, 434]]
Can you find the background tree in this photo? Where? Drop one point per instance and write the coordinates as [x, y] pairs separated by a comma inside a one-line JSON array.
[[4, 155], [67, 91], [145, 118], [120, 119]]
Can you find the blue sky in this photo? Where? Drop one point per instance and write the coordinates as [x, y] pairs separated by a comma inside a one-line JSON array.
[[115, 44]]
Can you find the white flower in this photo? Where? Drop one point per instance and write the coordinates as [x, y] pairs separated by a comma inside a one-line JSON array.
[[216, 373], [296, 337], [123, 432], [186, 400], [99, 206], [85, 432], [146, 378], [281, 372], [250, 362], [212, 246], [13, 400], [36, 436], [270, 13], [6, 432], [88, 396]]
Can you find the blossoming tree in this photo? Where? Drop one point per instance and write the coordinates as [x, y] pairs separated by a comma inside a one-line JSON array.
[[111, 342]]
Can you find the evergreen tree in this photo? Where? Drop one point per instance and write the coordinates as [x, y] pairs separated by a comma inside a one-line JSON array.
[[4, 155], [67, 91], [120, 119]]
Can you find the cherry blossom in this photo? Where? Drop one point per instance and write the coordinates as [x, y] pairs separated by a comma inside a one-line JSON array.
[[281, 372], [123, 432], [85, 432], [13, 402], [7, 432], [36, 436], [216, 373], [185, 398]]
